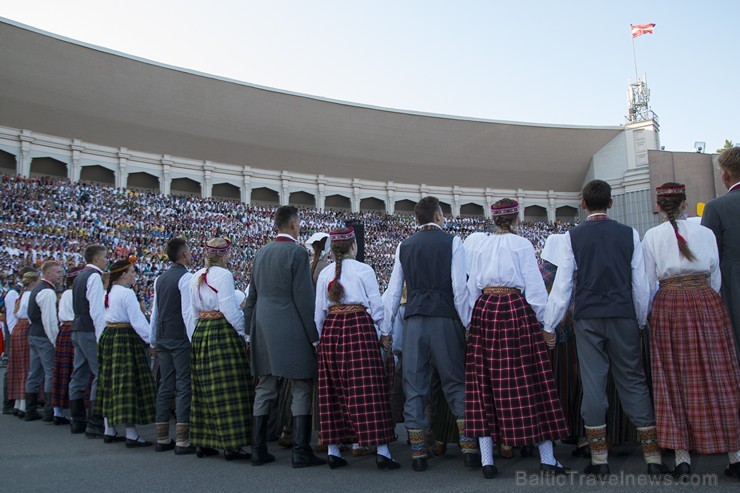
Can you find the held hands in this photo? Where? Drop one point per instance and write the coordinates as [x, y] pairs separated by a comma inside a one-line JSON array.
[[386, 342], [550, 339]]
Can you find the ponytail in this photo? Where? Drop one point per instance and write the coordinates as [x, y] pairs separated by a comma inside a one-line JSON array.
[[318, 248], [341, 243], [670, 203], [336, 290], [18, 301]]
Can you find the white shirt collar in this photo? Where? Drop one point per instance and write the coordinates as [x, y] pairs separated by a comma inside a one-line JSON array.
[[95, 267], [736, 185], [286, 235], [429, 224], [597, 214]]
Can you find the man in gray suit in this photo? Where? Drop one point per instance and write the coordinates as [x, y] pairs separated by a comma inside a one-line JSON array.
[[283, 335], [722, 215]]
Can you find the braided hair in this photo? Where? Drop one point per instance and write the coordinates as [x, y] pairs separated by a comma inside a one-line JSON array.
[[318, 248], [28, 279], [340, 249], [671, 206], [117, 269], [505, 222]]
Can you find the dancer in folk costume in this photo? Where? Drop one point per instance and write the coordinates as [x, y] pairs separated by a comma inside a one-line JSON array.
[[510, 391], [126, 389], [610, 304], [64, 352], [222, 390], [696, 379], [19, 360], [354, 394]]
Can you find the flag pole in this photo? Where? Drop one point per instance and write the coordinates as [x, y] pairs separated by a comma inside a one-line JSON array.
[[634, 56]]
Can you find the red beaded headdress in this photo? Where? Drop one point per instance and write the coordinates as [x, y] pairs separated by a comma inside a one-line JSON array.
[[219, 249], [671, 191], [505, 210], [347, 235]]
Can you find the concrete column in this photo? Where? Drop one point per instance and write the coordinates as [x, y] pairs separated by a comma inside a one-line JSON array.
[[321, 197], [455, 202], [551, 206], [23, 161], [74, 168], [489, 203], [390, 203], [246, 189], [206, 187], [520, 198], [165, 182], [122, 175], [355, 200]]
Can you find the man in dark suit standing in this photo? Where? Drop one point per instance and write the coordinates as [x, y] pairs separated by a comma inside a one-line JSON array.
[[283, 336], [722, 215]]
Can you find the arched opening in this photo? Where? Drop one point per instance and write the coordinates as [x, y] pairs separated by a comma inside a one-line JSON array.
[[372, 204], [226, 191], [535, 213], [98, 175], [471, 209], [265, 196], [7, 163], [404, 206], [338, 202], [566, 214], [143, 182], [185, 186], [47, 166], [446, 208], [303, 199]]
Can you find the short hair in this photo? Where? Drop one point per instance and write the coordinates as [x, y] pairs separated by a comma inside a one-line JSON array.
[[24, 269], [426, 208], [48, 265], [729, 160], [175, 247], [597, 194], [92, 251], [284, 215]]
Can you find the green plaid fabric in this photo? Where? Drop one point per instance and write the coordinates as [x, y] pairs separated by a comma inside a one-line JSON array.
[[126, 389], [221, 406]]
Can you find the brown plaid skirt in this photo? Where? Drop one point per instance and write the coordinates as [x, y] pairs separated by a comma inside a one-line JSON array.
[[696, 380], [19, 360], [64, 356], [354, 396], [510, 393]]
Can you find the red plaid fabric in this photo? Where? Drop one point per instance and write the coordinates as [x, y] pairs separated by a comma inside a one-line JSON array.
[[64, 356], [696, 380], [19, 360], [354, 397], [510, 393]]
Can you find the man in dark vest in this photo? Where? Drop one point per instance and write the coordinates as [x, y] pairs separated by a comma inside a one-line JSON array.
[[42, 336], [88, 302], [432, 263], [172, 326], [611, 302]]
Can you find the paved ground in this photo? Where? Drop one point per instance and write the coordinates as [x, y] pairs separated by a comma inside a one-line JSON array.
[[38, 456]]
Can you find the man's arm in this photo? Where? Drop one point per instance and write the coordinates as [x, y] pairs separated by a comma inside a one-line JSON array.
[[185, 301], [460, 281], [47, 301], [394, 291], [640, 290], [154, 316], [562, 287], [96, 298], [712, 220], [303, 294]]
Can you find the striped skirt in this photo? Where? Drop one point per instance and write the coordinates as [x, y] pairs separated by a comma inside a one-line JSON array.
[[223, 392], [564, 360], [354, 396], [64, 356], [19, 360], [696, 380], [126, 390], [510, 393], [443, 422]]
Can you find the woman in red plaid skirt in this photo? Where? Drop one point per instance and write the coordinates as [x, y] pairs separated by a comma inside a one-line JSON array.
[[696, 380], [510, 392], [354, 395], [19, 360]]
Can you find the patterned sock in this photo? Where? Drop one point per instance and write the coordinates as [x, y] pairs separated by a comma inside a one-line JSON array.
[[486, 450], [334, 450], [648, 437], [109, 430], [597, 442], [163, 433], [682, 456], [734, 456], [468, 445], [384, 451], [58, 412], [417, 438], [182, 434], [546, 454], [131, 432], [582, 441], [356, 446]]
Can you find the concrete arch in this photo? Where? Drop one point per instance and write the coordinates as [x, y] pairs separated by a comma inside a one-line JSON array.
[[226, 191], [143, 181], [7, 163], [265, 196], [372, 204], [566, 214], [535, 213], [48, 166], [337, 201], [405, 206], [471, 209], [185, 186], [302, 199], [98, 175]]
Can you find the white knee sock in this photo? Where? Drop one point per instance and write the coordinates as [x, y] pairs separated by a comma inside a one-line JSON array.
[[486, 450], [734, 456], [334, 450], [22, 406], [683, 456], [109, 430], [131, 432], [58, 412], [383, 450], [546, 454]]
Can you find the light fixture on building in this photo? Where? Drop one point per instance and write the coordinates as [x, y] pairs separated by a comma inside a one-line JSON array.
[[700, 147]]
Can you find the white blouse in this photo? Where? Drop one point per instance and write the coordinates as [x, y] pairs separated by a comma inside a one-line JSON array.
[[360, 288], [124, 308], [203, 298], [664, 261], [23, 306], [66, 311], [504, 260]]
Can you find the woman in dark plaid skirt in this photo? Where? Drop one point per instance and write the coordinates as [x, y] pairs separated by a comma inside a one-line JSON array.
[[19, 360], [354, 395], [696, 380], [221, 404], [126, 389], [510, 393]]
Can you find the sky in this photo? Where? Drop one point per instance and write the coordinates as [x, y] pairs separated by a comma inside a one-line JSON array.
[[564, 62]]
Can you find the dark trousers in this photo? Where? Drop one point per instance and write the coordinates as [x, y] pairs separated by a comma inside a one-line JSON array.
[[174, 369]]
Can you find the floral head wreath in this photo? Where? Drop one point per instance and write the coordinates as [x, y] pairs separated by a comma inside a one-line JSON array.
[[129, 263]]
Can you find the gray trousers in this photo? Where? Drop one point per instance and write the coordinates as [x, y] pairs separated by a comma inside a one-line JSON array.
[[266, 394], [41, 365], [612, 342], [85, 363], [174, 368], [432, 341]]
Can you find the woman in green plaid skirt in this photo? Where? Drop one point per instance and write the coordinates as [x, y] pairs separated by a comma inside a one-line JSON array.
[[221, 407], [126, 389]]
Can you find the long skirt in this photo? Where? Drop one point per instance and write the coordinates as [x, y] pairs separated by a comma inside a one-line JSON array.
[[223, 392], [126, 390], [510, 393], [696, 380], [443, 422], [19, 360], [564, 361], [64, 356], [354, 397]]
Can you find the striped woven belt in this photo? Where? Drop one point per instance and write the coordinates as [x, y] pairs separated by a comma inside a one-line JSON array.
[[346, 309], [500, 290], [210, 315], [118, 325], [685, 282], [66, 325]]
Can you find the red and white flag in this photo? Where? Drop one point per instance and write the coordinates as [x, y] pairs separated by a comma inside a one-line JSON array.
[[640, 29]]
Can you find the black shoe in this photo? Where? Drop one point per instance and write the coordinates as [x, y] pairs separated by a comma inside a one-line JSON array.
[[184, 450], [303, 455], [554, 470], [490, 472], [95, 428], [137, 443], [419, 465], [201, 452], [260, 455], [471, 460], [683, 470], [599, 470], [384, 462], [77, 412], [92, 434], [583, 451], [32, 416], [236, 455], [733, 470], [113, 438], [8, 410], [21, 414], [60, 420], [48, 414], [657, 470], [336, 462], [527, 451], [164, 447]]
